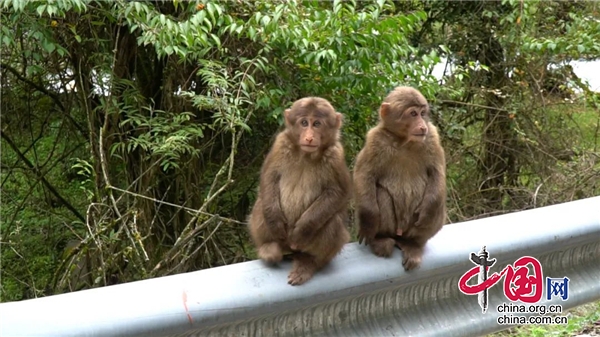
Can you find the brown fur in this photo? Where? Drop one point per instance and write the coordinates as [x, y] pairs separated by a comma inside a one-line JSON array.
[[400, 179], [305, 188]]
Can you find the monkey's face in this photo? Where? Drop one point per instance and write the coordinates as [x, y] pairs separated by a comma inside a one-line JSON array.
[[312, 127], [416, 121], [406, 122], [310, 133], [316, 132]]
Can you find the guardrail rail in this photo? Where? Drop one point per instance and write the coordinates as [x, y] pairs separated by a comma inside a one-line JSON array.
[[358, 294]]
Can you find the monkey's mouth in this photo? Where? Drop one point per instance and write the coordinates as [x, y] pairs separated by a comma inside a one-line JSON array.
[[419, 134], [309, 148]]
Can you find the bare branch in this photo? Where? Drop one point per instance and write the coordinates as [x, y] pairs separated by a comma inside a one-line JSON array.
[[41, 176], [46, 92], [197, 212], [455, 103]]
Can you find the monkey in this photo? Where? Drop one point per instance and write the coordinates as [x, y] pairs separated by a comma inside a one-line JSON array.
[[400, 179], [304, 191]]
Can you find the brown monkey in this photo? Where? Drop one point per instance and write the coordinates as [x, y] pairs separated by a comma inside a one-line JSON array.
[[305, 188], [400, 179]]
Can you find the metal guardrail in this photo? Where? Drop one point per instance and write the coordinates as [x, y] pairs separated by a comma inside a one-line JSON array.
[[358, 294]]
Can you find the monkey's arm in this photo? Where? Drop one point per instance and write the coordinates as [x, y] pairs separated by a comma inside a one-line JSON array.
[[331, 201], [270, 194], [365, 184], [433, 198]]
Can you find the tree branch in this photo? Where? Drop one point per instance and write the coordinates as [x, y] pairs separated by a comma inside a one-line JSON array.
[[41, 176], [46, 92], [456, 103], [38, 87]]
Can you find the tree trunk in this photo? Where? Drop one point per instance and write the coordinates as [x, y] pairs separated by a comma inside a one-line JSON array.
[[497, 167]]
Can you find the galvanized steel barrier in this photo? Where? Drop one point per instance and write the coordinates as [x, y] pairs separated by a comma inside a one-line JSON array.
[[358, 294]]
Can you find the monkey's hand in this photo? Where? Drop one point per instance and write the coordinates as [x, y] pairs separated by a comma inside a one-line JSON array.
[[276, 222], [278, 230], [300, 237], [421, 217], [433, 201], [425, 212], [366, 235], [368, 224]]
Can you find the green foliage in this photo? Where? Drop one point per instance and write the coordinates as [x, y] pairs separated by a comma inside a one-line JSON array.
[[34, 224], [226, 94], [168, 138], [162, 134], [40, 17], [348, 56], [340, 53], [84, 170], [580, 33], [508, 74]]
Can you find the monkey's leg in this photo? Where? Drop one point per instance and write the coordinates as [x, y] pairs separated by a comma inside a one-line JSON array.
[[413, 240], [383, 243], [326, 245], [412, 252], [268, 249]]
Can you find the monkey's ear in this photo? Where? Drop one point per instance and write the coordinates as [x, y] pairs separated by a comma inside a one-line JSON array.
[[384, 110], [286, 117], [338, 120]]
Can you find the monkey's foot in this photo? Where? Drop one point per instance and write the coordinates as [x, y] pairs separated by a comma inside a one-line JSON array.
[[411, 263], [270, 252], [303, 269], [382, 247], [411, 256]]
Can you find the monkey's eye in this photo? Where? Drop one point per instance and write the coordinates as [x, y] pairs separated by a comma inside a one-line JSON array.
[[304, 123], [423, 113], [413, 113], [316, 124]]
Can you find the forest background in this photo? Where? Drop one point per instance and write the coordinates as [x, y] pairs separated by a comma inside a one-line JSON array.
[[133, 132]]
